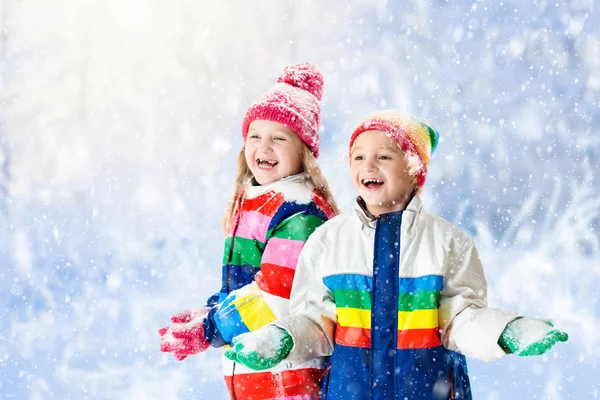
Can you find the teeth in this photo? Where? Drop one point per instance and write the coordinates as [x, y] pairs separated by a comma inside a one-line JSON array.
[[266, 163], [366, 181]]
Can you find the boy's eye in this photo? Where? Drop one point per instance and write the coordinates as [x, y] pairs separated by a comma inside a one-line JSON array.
[[254, 136], [358, 158], [384, 158], [279, 138]]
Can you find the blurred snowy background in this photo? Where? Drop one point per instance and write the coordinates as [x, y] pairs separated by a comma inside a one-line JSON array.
[[119, 130]]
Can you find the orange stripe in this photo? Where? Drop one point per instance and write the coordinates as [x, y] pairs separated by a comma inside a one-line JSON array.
[[419, 338], [266, 385], [420, 138], [275, 280], [354, 337]]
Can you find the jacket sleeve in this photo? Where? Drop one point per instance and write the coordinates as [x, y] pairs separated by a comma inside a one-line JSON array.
[[312, 318], [267, 298], [467, 324], [282, 249]]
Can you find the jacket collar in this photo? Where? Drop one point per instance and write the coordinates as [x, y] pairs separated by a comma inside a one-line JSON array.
[[409, 216], [253, 189]]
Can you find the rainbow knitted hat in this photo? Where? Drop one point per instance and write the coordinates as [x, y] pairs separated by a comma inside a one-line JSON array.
[[416, 138]]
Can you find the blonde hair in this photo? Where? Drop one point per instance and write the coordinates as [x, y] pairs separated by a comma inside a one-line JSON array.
[[309, 166]]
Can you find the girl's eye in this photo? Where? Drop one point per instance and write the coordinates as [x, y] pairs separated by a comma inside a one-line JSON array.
[[384, 158], [358, 158], [254, 136], [279, 138]]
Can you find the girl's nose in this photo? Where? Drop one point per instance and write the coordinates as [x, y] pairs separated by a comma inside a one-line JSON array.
[[265, 146]]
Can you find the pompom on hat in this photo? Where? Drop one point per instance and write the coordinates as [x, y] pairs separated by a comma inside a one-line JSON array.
[[293, 102], [417, 139]]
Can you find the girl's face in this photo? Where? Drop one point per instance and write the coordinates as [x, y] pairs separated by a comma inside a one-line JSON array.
[[380, 173], [273, 151]]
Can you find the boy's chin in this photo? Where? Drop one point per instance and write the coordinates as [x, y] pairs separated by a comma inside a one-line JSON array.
[[377, 207]]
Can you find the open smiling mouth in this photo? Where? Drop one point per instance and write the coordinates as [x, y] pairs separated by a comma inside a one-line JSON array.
[[267, 164], [372, 183]]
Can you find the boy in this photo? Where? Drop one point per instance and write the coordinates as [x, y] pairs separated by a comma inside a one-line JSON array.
[[395, 295]]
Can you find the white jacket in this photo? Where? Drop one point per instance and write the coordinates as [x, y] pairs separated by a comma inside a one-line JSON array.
[[429, 245]]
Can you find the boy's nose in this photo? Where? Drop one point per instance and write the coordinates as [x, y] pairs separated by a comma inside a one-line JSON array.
[[369, 165]]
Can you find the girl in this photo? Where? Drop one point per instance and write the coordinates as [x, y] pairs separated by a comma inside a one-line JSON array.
[[396, 295], [280, 198]]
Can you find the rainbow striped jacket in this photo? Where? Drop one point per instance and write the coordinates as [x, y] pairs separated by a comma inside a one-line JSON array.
[[271, 225], [397, 301]]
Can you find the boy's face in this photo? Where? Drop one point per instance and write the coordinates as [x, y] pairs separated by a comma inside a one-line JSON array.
[[379, 172], [273, 151]]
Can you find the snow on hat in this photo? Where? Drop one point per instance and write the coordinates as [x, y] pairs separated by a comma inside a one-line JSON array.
[[293, 102], [416, 138]]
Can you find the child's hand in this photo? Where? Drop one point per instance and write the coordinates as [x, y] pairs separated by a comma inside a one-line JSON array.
[[530, 337], [186, 336], [261, 349]]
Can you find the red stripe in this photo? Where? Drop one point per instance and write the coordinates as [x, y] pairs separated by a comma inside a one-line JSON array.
[[266, 385], [419, 338], [275, 280], [322, 204], [354, 337], [409, 339], [266, 204]]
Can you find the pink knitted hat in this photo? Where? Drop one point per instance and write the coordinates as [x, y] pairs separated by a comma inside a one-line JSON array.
[[293, 102]]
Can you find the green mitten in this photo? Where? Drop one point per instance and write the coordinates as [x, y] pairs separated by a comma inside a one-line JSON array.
[[530, 337], [261, 349]]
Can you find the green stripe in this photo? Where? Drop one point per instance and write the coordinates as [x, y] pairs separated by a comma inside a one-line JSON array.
[[352, 298], [434, 136], [424, 300], [298, 227], [244, 252]]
